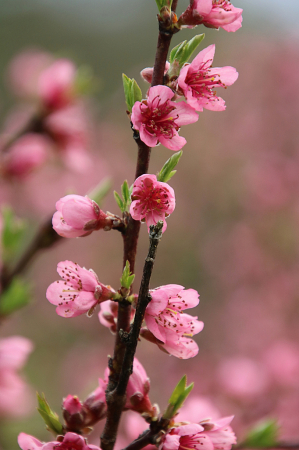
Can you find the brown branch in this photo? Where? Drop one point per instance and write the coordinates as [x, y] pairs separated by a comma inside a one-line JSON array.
[[117, 397], [117, 365], [149, 436]]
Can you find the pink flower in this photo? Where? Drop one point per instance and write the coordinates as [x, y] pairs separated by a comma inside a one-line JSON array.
[[152, 200], [137, 390], [207, 435], [108, 315], [26, 154], [56, 84], [79, 216], [71, 441], [147, 73], [79, 292], [158, 119], [198, 80], [212, 14], [15, 398], [165, 320]]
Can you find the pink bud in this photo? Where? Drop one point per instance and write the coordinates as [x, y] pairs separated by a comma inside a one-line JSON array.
[[56, 84], [26, 154], [78, 216], [137, 390], [69, 442]]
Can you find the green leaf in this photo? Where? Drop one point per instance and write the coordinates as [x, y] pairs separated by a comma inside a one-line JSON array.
[[85, 81], [14, 230], [176, 50], [190, 47], [119, 201], [264, 434], [132, 92], [178, 396], [100, 191], [127, 82], [136, 92], [125, 192], [15, 297], [51, 419], [167, 171], [127, 277], [183, 51]]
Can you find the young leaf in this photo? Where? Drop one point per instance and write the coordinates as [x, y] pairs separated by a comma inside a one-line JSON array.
[[51, 419], [15, 297], [119, 201], [190, 47], [127, 277], [176, 50], [127, 82], [125, 192], [136, 92], [178, 396], [100, 191], [13, 233], [264, 434], [167, 171]]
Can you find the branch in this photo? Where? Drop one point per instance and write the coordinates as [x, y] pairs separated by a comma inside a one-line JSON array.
[[149, 436], [116, 399], [45, 238]]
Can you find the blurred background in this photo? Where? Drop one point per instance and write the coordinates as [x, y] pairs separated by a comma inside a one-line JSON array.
[[233, 235]]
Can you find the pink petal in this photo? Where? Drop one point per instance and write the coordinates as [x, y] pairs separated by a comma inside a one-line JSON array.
[[149, 139], [191, 428], [164, 92], [183, 348], [69, 311], [171, 442], [157, 330], [228, 75], [207, 54], [77, 213], [55, 290], [175, 143], [63, 229], [191, 298], [202, 6], [27, 442], [158, 303], [186, 114]]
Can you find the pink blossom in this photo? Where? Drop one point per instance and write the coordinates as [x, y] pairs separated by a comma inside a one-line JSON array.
[[147, 73], [137, 390], [15, 398], [198, 80], [69, 129], [108, 315], [165, 320], [80, 291], [152, 200], [79, 216], [56, 84], [71, 441], [158, 119], [212, 14], [95, 405], [207, 435], [26, 154]]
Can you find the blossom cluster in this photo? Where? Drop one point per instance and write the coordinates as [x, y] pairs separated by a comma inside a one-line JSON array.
[[55, 120]]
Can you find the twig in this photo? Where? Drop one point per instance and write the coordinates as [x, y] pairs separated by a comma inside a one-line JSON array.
[[116, 399]]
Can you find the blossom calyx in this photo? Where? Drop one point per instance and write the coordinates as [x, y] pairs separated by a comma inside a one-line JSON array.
[[73, 413], [79, 216], [79, 291]]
